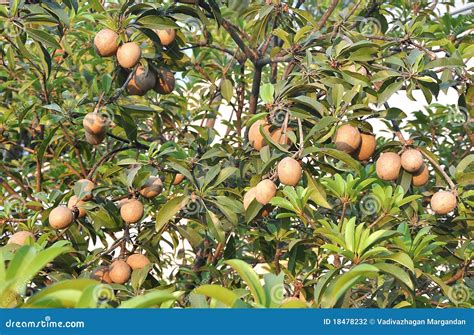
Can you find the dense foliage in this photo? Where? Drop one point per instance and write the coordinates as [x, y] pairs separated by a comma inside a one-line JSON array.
[[297, 71]]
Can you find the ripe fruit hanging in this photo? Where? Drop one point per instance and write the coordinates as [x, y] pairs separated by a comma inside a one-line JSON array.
[[166, 36], [106, 43], [142, 81], [178, 179], [20, 237], [366, 148], [75, 202], [94, 139], [281, 138], [347, 138], [119, 272], [137, 261], [289, 171], [61, 217], [102, 274], [412, 160], [87, 186], [94, 124], [443, 202], [266, 190], [153, 187], [128, 55], [249, 196], [132, 211], [388, 166], [256, 139], [165, 81], [421, 177]]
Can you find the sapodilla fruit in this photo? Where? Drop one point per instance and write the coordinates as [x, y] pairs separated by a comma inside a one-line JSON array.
[[102, 274], [388, 166], [142, 81], [249, 196], [75, 202], [61, 217], [88, 186], [347, 138], [137, 261], [119, 272], [20, 237], [256, 139], [366, 148], [153, 186], [94, 139], [106, 43], [266, 190], [412, 160], [178, 179], [128, 55], [165, 81], [132, 211], [94, 123], [289, 171], [166, 36], [280, 138], [421, 177], [443, 202]]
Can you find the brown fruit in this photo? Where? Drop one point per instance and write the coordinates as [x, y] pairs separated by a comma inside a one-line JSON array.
[[20, 237], [153, 186], [421, 177], [443, 202], [128, 55], [360, 70], [137, 261], [119, 272], [366, 148], [102, 274], [87, 186], [388, 166], [289, 171], [94, 124], [256, 139], [132, 211], [266, 190], [142, 81], [165, 81], [347, 138], [166, 36], [75, 202], [280, 138], [106, 43], [94, 139], [61, 217], [178, 179], [412, 160], [249, 196]]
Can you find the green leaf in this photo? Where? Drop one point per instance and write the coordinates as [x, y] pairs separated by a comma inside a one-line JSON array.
[[215, 226], [250, 277], [396, 272], [266, 93], [169, 210], [151, 299], [43, 37], [227, 90], [221, 294]]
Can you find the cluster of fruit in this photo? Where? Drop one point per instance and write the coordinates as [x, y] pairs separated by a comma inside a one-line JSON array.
[[361, 146], [142, 79], [119, 271]]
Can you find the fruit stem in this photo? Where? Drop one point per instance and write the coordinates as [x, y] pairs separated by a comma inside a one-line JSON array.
[[451, 184]]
